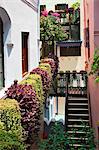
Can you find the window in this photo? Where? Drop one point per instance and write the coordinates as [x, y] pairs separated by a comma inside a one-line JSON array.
[[42, 8], [70, 51], [61, 7]]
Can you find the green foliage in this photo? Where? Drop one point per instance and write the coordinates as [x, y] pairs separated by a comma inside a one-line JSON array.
[[76, 5], [89, 135], [95, 65], [37, 86], [30, 96], [59, 139], [50, 29], [9, 141], [46, 67], [97, 79], [10, 125], [10, 118], [51, 62], [29, 108]]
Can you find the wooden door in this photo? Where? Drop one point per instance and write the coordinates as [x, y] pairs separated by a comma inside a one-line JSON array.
[[24, 53], [1, 56]]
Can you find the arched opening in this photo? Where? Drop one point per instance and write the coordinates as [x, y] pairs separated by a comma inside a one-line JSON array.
[[1, 55], [5, 37]]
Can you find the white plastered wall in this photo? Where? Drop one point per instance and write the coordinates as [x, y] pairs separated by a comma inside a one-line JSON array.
[[23, 19]]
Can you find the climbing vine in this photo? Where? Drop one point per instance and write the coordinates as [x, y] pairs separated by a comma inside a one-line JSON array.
[[95, 65]]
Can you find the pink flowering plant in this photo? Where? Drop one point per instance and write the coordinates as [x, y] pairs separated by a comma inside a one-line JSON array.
[[50, 27], [45, 13]]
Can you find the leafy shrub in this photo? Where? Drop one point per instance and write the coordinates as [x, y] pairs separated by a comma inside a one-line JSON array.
[[50, 27], [57, 139], [29, 107], [46, 67], [51, 62], [9, 141], [10, 125], [56, 60], [10, 118], [46, 79], [36, 82]]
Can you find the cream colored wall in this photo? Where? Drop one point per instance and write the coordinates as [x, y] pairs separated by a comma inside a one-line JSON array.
[[72, 63], [61, 106], [50, 4]]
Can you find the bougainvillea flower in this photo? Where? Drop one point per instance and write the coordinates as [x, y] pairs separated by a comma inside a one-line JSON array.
[[56, 14], [44, 13]]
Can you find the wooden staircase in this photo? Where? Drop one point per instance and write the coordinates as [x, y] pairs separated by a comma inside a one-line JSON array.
[[77, 121]]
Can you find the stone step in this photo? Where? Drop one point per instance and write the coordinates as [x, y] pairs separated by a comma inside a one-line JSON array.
[[76, 146], [78, 98], [82, 132], [77, 133], [78, 138], [77, 101], [77, 126], [78, 116], [78, 105], [77, 121], [84, 104], [78, 110]]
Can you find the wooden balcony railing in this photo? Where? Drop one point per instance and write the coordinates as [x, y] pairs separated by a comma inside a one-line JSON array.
[[75, 81]]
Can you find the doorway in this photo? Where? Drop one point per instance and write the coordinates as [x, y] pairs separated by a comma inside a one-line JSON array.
[[25, 36], [1, 56]]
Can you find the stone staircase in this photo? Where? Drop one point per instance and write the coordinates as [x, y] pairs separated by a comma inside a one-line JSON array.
[[77, 121]]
